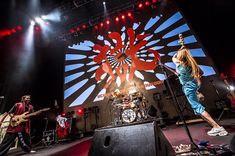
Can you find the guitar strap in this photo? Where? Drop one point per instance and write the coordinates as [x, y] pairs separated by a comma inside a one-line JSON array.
[[26, 108], [11, 110]]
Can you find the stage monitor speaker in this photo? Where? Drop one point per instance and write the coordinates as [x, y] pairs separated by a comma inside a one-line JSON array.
[[145, 139], [232, 144]]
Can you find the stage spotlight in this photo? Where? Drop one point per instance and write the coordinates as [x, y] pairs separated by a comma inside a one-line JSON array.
[[154, 1], [101, 24], [8, 32], [37, 28], [231, 88], [13, 30], [105, 9], [78, 29], [19, 28], [71, 31], [44, 17], [83, 26], [140, 6], [117, 19], [107, 22], [123, 17], [80, 111], [38, 20], [147, 3], [129, 14], [32, 22], [54, 16], [96, 27], [63, 114]]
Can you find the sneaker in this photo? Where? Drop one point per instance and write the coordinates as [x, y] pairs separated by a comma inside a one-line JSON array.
[[223, 133], [217, 131], [32, 151]]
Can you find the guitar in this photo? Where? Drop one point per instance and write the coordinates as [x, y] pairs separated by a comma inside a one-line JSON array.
[[4, 123], [231, 95], [18, 119]]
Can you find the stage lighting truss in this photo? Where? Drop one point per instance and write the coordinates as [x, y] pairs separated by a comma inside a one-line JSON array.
[[126, 9]]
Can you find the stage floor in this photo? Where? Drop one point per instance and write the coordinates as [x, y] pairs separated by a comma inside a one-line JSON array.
[[175, 134]]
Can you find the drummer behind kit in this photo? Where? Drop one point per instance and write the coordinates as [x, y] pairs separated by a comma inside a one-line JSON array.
[[128, 107]]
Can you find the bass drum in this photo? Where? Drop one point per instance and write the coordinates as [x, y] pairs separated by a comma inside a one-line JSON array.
[[128, 115]]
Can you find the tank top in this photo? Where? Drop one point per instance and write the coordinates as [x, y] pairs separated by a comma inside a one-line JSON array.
[[184, 73]]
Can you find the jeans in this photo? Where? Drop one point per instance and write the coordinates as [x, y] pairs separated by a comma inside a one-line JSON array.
[[24, 141]]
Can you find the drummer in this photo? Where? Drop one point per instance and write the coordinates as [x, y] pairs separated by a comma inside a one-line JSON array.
[[126, 101], [117, 97]]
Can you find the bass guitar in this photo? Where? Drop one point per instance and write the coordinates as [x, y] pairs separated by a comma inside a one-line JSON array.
[[18, 119]]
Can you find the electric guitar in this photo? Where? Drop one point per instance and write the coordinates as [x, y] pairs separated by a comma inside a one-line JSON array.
[[18, 119], [231, 95]]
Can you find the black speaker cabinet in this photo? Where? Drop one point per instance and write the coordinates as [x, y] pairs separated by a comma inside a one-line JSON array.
[[232, 144], [145, 139]]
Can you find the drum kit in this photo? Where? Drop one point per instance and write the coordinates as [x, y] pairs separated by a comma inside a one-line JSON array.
[[128, 107]]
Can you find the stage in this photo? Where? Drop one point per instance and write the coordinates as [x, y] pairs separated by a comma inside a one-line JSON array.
[[176, 135]]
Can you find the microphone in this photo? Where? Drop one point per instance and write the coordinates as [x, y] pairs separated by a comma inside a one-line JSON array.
[[2, 97]]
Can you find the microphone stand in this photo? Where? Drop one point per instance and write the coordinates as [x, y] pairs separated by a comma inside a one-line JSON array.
[[221, 104], [216, 90], [176, 102]]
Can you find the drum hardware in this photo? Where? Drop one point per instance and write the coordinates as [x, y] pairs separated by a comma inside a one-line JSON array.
[[128, 108], [48, 137], [141, 114], [116, 116]]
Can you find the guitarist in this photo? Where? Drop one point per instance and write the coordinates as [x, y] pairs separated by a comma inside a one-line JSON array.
[[22, 131], [231, 91]]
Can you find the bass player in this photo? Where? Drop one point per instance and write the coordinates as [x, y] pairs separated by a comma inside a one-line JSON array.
[[22, 131]]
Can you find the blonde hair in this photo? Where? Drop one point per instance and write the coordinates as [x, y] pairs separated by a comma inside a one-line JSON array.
[[185, 56]]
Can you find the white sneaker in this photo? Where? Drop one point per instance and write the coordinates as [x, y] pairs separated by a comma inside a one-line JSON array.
[[32, 151], [217, 131], [223, 133]]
